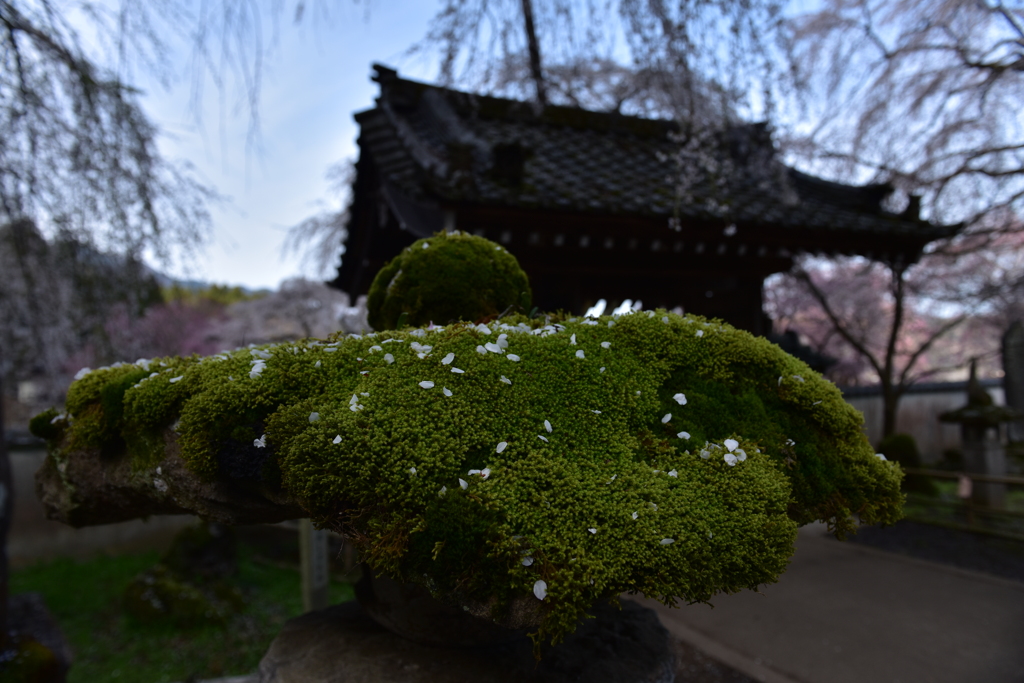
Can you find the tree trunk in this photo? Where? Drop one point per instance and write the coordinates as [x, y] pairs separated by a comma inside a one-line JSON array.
[[534, 48], [890, 405], [6, 508]]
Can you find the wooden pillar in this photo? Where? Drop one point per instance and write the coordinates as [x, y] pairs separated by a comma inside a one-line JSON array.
[[314, 566]]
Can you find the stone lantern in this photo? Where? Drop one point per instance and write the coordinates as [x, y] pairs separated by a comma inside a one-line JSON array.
[[983, 450]]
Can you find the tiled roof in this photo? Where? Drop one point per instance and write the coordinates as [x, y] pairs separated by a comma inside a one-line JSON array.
[[446, 146]]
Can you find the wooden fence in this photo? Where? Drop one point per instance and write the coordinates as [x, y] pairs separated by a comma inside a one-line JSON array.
[[960, 512]]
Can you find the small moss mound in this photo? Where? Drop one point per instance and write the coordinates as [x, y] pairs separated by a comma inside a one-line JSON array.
[[571, 459], [45, 425], [190, 586], [29, 661], [447, 278], [903, 449]]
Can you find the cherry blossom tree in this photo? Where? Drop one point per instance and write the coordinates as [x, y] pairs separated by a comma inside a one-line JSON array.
[[922, 93], [896, 326]]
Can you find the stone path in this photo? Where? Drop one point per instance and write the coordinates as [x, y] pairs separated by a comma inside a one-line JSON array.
[[845, 613]]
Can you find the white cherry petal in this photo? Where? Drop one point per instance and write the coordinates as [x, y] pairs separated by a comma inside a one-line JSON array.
[[592, 530], [683, 435], [540, 589], [700, 333], [635, 515], [512, 357], [545, 440], [667, 541], [572, 339], [673, 473], [412, 470], [666, 418], [492, 347], [547, 426], [606, 345], [313, 417], [446, 391], [730, 459], [427, 384], [680, 399], [579, 354], [337, 439], [458, 371], [502, 446], [731, 444], [448, 359], [463, 483], [527, 561], [481, 350], [389, 358], [506, 380]]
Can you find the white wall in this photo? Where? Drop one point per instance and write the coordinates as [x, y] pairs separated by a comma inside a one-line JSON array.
[[918, 415]]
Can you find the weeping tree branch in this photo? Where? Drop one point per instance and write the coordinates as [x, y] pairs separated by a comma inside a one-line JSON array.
[[534, 48]]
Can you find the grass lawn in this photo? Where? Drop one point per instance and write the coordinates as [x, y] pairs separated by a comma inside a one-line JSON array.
[[85, 598]]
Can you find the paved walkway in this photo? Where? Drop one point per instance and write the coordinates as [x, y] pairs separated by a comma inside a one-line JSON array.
[[844, 613]]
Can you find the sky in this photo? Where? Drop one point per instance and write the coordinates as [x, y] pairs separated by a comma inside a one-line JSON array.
[[317, 77]]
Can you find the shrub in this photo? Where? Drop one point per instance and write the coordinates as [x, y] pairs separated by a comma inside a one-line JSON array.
[[903, 449]]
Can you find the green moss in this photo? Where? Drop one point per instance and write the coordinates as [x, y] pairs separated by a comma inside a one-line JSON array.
[[46, 425], [161, 595], [368, 450], [446, 278], [29, 661]]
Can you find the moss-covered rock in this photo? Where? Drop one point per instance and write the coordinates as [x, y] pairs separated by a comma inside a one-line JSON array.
[[447, 278], [161, 595], [572, 459], [190, 586], [29, 661]]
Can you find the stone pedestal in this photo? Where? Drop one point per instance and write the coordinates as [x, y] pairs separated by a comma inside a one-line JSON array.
[[986, 456], [341, 644]]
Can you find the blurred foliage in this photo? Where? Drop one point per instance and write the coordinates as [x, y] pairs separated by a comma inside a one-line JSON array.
[[903, 449], [222, 295], [110, 646]]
